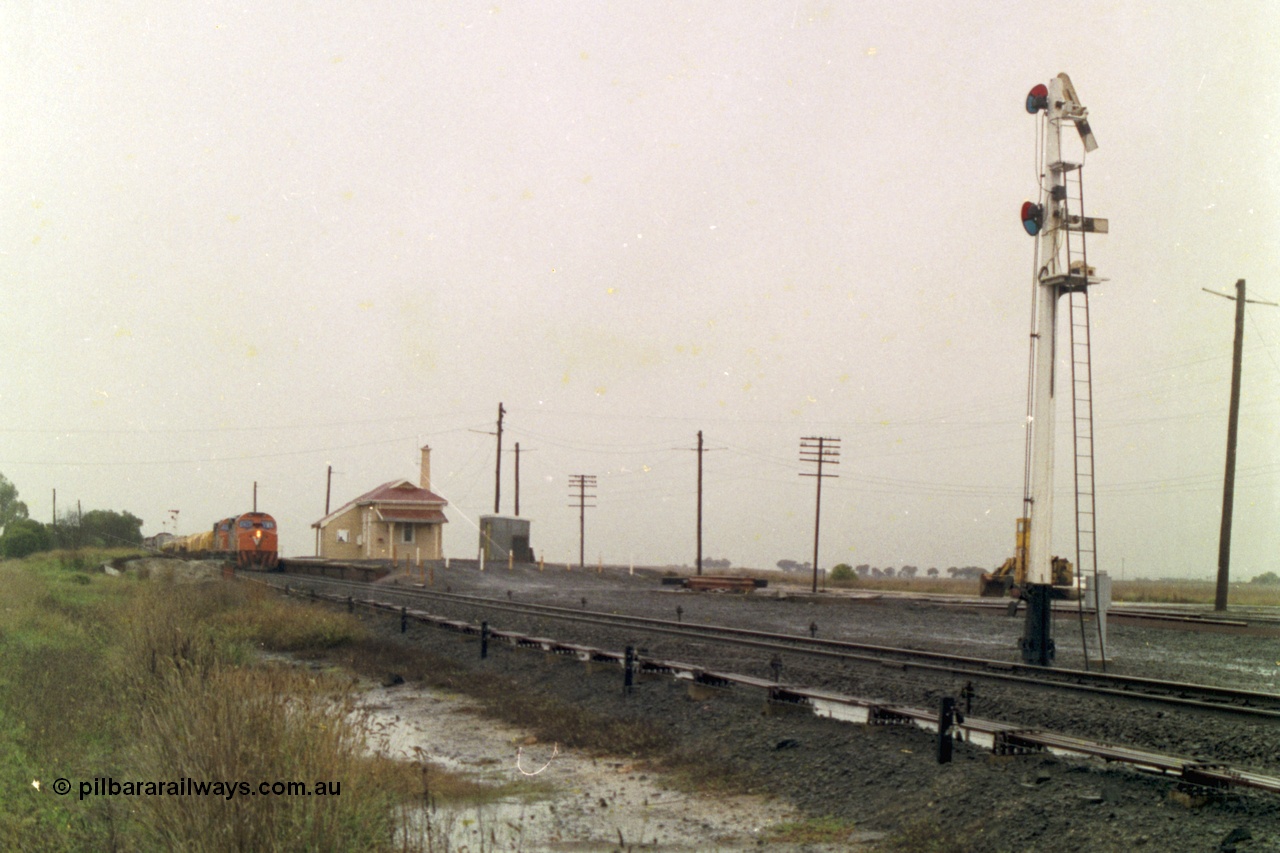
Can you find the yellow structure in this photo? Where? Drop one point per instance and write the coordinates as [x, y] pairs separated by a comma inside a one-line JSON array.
[[395, 521]]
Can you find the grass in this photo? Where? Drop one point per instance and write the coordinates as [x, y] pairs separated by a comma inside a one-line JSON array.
[[1195, 592], [822, 830], [1139, 591], [155, 680]]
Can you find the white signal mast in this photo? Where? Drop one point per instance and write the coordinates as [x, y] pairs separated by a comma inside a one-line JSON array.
[[1062, 267]]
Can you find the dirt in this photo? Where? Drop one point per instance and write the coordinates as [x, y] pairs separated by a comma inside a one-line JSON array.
[[887, 779], [583, 802]]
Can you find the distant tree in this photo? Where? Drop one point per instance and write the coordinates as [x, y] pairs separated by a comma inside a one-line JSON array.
[[889, 572], [877, 572], [99, 528], [107, 528], [1266, 578], [907, 572], [789, 565], [843, 572], [23, 537], [862, 570], [933, 571], [716, 564], [952, 570], [11, 509]]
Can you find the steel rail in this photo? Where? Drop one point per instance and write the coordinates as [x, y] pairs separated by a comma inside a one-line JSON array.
[[1001, 738], [1184, 695]]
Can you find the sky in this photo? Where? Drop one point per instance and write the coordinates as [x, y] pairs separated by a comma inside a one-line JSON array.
[[241, 243]]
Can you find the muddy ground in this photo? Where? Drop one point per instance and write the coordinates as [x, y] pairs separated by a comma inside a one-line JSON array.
[[887, 779]]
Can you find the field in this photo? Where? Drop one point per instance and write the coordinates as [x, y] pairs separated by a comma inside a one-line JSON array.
[[1163, 591]]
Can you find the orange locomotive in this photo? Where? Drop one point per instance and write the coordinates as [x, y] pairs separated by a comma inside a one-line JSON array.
[[251, 540]]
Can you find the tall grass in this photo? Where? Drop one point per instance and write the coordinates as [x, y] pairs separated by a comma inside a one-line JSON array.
[[1195, 592], [153, 681]]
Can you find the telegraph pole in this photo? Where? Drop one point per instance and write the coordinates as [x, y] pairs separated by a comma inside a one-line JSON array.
[[517, 479], [1233, 424], [581, 483], [699, 557], [823, 451], [328, 490], [497, 473]]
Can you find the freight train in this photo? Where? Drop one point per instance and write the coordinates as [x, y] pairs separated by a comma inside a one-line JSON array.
[[250, 540]]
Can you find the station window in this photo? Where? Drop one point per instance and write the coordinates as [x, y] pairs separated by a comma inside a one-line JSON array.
[[344, 535], [407, 536]]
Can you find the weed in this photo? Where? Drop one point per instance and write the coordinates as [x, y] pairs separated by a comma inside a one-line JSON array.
[[147, 681], [822, 830], [928, 835]]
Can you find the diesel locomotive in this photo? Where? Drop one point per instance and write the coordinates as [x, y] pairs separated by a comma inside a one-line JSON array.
[[250, 540]]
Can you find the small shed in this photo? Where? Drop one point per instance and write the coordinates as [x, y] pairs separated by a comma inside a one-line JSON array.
[[503, 535]]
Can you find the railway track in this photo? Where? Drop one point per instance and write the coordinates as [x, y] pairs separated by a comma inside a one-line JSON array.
[[1000, 737], [1183, 695]]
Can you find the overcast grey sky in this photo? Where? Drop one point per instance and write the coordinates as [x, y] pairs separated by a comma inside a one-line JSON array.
[[243, 244]]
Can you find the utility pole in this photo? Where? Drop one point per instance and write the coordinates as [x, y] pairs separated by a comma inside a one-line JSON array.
[[255, 495], [823, 451], [699, 557], [517, 479], [1233, 423], [497, 473], [581, 483], [328, 490]]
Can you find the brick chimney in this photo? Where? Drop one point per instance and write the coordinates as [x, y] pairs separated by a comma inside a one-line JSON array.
[[425, 479]]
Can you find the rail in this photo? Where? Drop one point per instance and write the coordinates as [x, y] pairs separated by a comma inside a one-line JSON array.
[[1185, 695], [1000, 738]]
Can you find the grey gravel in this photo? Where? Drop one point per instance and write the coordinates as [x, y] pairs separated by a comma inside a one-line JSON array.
[[887, 779]]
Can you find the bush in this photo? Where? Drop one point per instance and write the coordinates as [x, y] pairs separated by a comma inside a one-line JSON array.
[[1266, 577], [21, 542], [843, 572]]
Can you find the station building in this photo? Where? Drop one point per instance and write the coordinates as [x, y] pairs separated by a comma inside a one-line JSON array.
[[395, 521]]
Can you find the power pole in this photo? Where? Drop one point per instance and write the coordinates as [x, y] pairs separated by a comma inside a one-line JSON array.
[[823, 451], [581, 483], [699, 557], [328, 490], [517, 479], [1233, 423], [497, 473], [255, 495]]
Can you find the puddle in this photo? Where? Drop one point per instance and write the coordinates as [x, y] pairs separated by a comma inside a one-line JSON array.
[[589, 804]]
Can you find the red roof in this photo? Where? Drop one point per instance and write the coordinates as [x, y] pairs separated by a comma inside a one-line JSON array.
[[400, 491], [399, 500]]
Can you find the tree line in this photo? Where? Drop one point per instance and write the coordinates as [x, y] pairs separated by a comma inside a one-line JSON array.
[[21, 535], [847, 572]]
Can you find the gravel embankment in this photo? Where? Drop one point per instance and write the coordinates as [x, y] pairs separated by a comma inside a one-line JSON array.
[[888, 779]]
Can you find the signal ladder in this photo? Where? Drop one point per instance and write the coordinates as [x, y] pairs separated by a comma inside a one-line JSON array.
[[1082, 389]]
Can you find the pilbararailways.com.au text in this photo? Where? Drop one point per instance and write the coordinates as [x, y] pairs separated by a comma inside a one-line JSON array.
[[188, 787]]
